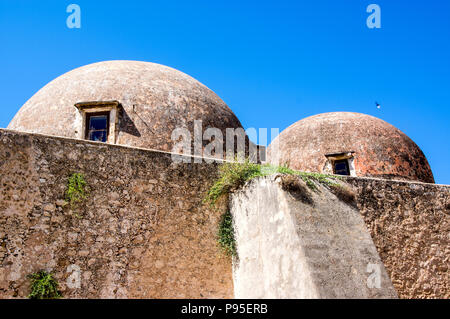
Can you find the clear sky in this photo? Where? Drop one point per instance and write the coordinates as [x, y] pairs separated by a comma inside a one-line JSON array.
[[272, 62]]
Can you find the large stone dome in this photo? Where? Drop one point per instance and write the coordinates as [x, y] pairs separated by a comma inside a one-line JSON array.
[[371, 147], [153, 101]]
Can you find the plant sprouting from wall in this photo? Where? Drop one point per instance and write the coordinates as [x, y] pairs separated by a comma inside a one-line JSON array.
[[233, 175], [43, 286], [77, 189], [225, 234]]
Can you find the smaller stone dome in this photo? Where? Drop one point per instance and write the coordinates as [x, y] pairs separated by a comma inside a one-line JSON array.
[[350, 144]]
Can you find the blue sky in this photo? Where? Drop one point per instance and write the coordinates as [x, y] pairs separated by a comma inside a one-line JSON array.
[[272, 62]]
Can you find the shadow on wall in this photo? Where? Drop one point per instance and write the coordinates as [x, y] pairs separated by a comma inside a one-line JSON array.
[[127, 124]]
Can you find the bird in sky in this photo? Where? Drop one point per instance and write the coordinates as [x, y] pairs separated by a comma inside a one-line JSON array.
[[378, 105]]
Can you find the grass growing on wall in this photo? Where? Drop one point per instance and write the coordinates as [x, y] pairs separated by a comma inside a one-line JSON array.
[[225, 234], [309, 178], [43, 286], [77, 189], [233, 175]]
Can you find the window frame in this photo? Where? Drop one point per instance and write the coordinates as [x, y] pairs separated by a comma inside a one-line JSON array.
[[347, 165], [87, 126], [92, 108], [349, 156]]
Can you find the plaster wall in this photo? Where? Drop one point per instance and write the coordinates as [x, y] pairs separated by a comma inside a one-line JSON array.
[[294, 242]]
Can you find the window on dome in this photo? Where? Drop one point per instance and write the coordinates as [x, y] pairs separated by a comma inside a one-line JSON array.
[[341, 167], [99, 120], [341, 163], [97, 127]]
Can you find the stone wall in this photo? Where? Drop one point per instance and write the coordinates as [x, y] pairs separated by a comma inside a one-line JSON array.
[[298, 242], [410, 226], [142, 233], [409, 223]]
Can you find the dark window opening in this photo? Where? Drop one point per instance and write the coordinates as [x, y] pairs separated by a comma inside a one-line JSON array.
[[341, 167], [97, 126]]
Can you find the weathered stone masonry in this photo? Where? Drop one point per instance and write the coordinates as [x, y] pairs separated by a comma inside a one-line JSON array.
[[144, 232], [410, 226]]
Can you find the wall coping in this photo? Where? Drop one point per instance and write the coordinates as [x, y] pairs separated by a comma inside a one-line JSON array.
[[83, 141], [399, 181]]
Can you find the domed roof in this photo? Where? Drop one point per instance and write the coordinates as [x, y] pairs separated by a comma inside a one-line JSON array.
[[377, 148], [155, 100]]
